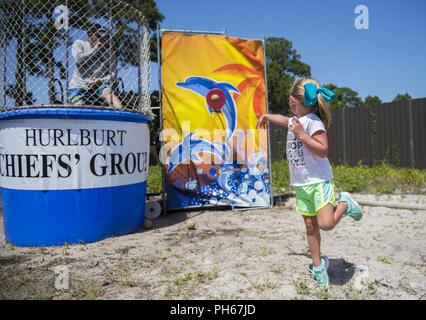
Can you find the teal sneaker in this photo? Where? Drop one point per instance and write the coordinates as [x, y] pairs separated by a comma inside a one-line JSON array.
[[354, 210], [320, 274]]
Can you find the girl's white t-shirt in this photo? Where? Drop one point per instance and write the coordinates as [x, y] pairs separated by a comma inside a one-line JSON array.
[[305, 167]]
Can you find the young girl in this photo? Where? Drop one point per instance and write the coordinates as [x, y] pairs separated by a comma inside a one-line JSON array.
[[310, 171]]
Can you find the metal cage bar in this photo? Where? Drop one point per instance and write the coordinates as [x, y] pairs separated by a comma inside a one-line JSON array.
[[53, 53]]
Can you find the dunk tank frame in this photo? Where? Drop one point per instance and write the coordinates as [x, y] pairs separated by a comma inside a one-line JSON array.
[[74, 116]]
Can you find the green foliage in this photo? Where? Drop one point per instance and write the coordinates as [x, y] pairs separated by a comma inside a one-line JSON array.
[[154, 179], [345, 97], [280, 177], [382, 178], [153, 17], [372, 101], [283, 65], [402, 97], [385, 259], [150, 10]]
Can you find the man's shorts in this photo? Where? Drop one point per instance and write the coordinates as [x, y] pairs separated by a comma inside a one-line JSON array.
[[313, 197], [76, 95]]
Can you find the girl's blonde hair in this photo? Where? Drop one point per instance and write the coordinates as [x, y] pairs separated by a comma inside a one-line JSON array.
[[322, 108]]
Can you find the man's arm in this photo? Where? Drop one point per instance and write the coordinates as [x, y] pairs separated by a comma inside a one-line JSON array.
[[107, 78], [78, 53]]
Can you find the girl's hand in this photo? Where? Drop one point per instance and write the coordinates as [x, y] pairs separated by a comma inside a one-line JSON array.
[[262, 121], [297, 128]]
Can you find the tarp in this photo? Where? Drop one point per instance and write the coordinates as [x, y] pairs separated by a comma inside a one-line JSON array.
[[213, 92]]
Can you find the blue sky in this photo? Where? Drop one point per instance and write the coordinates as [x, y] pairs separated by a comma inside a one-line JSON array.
[[387, 59]]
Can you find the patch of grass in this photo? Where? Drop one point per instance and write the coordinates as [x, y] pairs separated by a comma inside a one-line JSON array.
[[261, 285], [128, 279], [197, 277], [42, 296], [323, 294], [354, 295], [172, 292], [182, 279], [81, 289], [121, 274], [280, 176], [124, 250], [371, 288], [264, 251], [14, 259], [65, 249], [382, 178], [185, 284], [301, 287], [155, 179], [404, 285], [12, 281], [278, 269], [92, 291], [385, 259]]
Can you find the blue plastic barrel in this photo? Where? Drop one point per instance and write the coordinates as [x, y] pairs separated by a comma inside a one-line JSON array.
[[72, 175]]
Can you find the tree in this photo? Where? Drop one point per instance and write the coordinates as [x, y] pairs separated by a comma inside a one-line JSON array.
[[30, 24], [345, 97], [372, 100], [402, 97], [283, 65]]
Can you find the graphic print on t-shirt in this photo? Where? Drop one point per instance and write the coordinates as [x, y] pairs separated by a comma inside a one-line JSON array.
[[306, 167], [295, 154]]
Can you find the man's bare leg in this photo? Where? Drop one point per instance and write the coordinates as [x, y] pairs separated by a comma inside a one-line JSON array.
[[114, 102]]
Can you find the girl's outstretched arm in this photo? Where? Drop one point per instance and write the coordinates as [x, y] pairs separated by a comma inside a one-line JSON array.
[[274, 118]]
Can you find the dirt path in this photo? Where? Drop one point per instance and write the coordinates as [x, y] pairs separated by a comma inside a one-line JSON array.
[[256, 254]]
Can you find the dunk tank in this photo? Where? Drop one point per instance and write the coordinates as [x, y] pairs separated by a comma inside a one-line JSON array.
[[74, 120]]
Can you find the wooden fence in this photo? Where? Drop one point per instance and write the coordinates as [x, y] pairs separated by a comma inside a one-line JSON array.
[[394, 132]]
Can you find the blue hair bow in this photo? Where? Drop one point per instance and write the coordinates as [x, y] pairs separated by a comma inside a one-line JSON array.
[[311, 92]]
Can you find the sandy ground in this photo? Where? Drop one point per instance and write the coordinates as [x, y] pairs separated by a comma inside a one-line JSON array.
[[254, 254]]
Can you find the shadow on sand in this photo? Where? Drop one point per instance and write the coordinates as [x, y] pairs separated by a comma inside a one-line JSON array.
[[339, 270]]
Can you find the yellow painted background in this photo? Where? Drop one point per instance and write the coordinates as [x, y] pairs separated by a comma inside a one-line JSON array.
[[186, 55]]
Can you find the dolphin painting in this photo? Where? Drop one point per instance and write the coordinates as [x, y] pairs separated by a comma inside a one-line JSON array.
[[202, 86], [190, 147]]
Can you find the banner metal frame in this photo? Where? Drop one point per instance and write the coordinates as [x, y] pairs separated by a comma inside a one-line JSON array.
[[160, 89], [271, 204], [160, 100]]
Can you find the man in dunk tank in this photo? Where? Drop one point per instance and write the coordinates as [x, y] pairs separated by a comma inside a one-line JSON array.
[[95, 68]]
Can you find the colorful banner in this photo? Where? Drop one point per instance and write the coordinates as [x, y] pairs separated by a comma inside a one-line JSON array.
[[213, 92]]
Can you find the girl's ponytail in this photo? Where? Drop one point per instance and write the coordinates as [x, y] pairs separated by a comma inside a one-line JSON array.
[[324, 110], [318, 97]]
